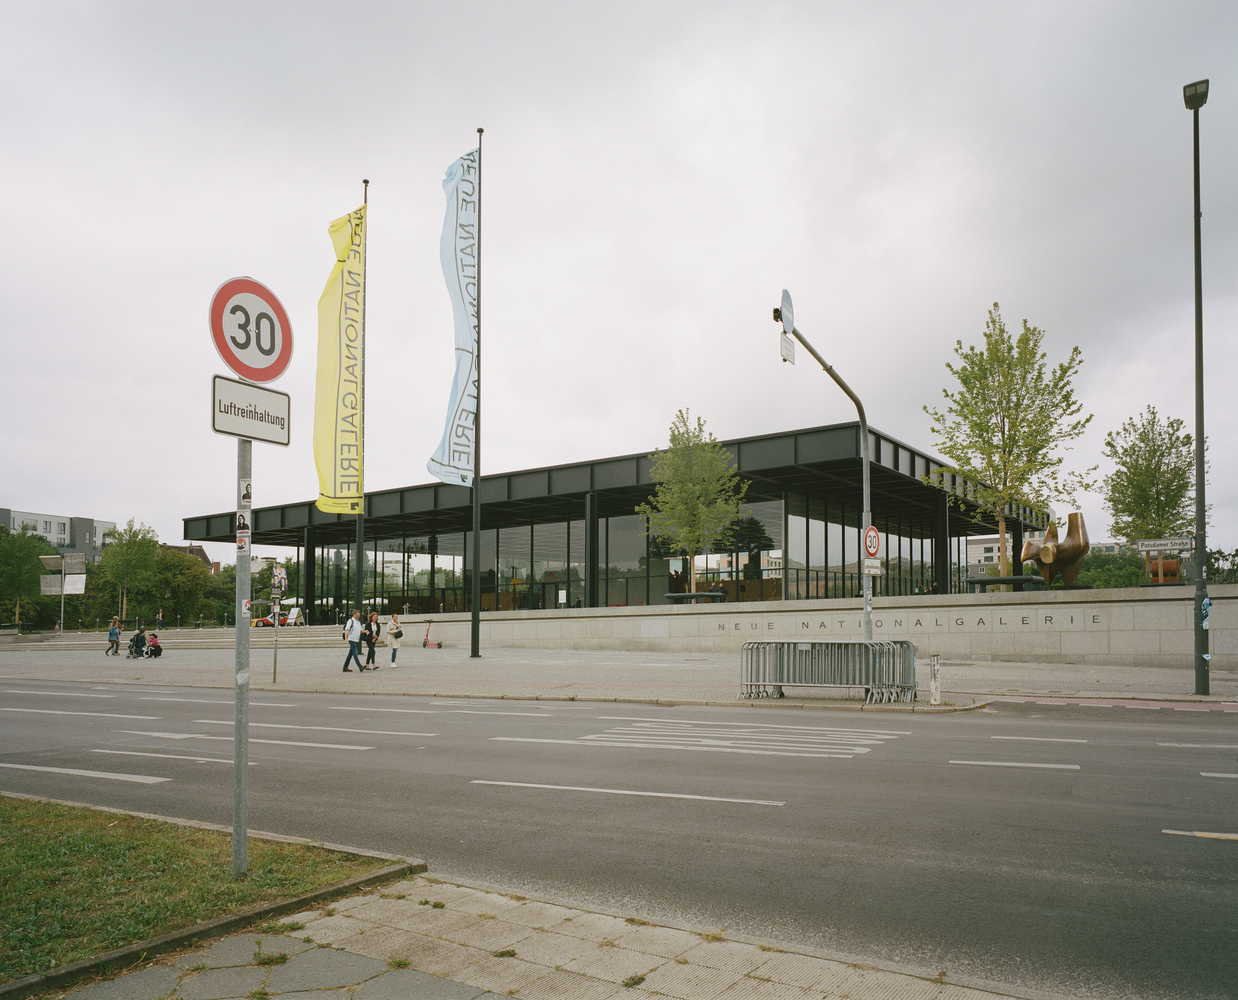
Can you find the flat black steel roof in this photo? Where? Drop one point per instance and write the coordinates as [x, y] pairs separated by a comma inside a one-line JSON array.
[[816, 462]]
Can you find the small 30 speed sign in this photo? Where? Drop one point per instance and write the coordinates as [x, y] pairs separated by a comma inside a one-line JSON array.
[[251, 330], [872, 542]]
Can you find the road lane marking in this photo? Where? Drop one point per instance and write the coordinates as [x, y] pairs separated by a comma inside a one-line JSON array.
[[229, 739], [172, 756], [1038, 739], [98, 715], [329, 729], [1013, 763], [625, 791], [60, 694], [1149, 708], [360, 708], [594, 742], [750, 725], [1191, 710], [1202, 746], [141, 779], [1214, 774], [1201, 833], [206, 701]]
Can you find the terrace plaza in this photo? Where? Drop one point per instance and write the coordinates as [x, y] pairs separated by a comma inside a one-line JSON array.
[[566, 536]]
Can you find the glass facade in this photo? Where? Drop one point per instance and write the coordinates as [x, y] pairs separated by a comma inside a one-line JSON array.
[[794, 548]]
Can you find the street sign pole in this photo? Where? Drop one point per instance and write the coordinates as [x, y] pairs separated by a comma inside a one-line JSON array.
[[240, 715], [786, 315]]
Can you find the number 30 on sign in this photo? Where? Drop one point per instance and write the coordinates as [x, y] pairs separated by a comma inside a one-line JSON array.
[[251, 330]]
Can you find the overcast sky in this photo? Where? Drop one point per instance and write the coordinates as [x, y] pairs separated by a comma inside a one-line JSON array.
[[654, 175]]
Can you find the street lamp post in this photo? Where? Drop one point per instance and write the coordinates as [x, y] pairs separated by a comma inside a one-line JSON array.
[[1195, 95], [786, 316]]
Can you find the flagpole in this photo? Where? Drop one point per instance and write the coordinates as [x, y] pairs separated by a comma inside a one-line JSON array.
[[476, 625], [359, 562]]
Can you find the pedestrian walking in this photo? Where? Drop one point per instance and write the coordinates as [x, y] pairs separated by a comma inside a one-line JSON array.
[[352, 633], [370, 635], [159, 620], [113, 638], [394, 635]]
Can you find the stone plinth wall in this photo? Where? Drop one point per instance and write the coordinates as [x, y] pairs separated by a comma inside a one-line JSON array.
[[1150, 626]]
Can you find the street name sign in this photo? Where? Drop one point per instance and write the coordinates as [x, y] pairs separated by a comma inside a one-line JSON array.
[[251, 330], [245, 410], [1164, 544]]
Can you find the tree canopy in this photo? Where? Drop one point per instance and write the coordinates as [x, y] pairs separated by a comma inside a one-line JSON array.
[[20, 570], [129, 560], [1008, 421], [697, 493], [1151, 492]]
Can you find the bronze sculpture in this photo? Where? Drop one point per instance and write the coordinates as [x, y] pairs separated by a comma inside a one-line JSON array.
[[1066, 556]]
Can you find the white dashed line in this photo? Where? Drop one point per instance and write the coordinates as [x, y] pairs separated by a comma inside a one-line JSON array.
[[1214, 774], [172, 756], [328, 729], [1201, 833], [97, 715], [1011, 763], [141, 779], [624, 791], [1038, 739]]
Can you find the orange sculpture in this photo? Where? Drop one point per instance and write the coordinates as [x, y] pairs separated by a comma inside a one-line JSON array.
[[1066, 556]]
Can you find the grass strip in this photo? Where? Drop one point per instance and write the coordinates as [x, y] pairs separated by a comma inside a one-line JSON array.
[[75, 883]]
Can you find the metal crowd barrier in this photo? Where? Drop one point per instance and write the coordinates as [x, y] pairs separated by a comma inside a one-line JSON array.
[[885, 669]]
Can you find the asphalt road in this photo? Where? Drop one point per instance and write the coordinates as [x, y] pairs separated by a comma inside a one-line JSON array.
[[1023, 845]]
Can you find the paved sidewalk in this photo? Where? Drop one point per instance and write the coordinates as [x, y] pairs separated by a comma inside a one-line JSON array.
[[422, 939], [600, 675]]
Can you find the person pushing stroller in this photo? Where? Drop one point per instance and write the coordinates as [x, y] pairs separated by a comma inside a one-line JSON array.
[[137, 645]]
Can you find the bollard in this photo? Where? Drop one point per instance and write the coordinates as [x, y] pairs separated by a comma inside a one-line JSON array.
[[934, 680]]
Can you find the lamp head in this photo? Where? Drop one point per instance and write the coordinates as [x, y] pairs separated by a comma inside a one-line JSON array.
[[1195, 94]]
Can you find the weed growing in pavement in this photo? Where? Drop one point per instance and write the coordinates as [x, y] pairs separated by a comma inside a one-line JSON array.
[[606, 943], [711, 937], [259, 995], [506, 953], [329, 911], [423, 902], [264, 958], [307, 940], [398, 963], [486, 916], [518, 898], [681, 961], [770, 947], [513, 991], [636, 922], [292, 925], [393, 895], [633, 981], [438, 904], [200, 967]]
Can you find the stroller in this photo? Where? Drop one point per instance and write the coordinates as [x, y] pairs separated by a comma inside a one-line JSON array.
[[137, 646]]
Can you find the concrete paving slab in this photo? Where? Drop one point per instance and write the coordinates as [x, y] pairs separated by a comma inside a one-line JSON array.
[[330, 930], [316, 995], [797, 970], [382, 943], [502, 975], [597, 926], [733, 956], [489, 935], [149, 984], [551, 949], [408, 984], [323, 968], [665, 941], [559, 985], [545, 915], [443, 958], [755, 989], [689, 982], [238, 950], [217, 984], [615, 964], [486, 902]]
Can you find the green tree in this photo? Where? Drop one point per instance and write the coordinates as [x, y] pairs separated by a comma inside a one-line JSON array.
[[1151, 492], [183, 581], [1005, 424], [130, 556], [1112, 569], [697, 494], [20, 570]]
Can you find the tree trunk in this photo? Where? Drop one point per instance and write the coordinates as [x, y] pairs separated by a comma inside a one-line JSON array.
[[1003, 559], [691, 574], [17, 614]]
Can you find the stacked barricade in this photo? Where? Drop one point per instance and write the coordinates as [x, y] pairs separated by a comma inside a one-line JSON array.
[[886, 670]]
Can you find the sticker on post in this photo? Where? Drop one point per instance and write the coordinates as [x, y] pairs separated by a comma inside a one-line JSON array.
[[246, 492], [245, 610]]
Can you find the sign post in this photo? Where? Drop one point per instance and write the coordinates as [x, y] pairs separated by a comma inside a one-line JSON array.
[[784, 314], [250, 329]]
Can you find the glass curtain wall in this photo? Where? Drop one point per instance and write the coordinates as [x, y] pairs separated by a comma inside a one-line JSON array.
[[626, 582]]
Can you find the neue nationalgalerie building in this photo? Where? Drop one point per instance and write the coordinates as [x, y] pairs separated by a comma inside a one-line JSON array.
[[567, 535]]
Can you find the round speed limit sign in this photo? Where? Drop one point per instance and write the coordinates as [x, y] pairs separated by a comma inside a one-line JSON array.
[[251, 330], [872, 542]]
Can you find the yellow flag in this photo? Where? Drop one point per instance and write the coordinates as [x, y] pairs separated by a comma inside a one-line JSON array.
[[338, 404]]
